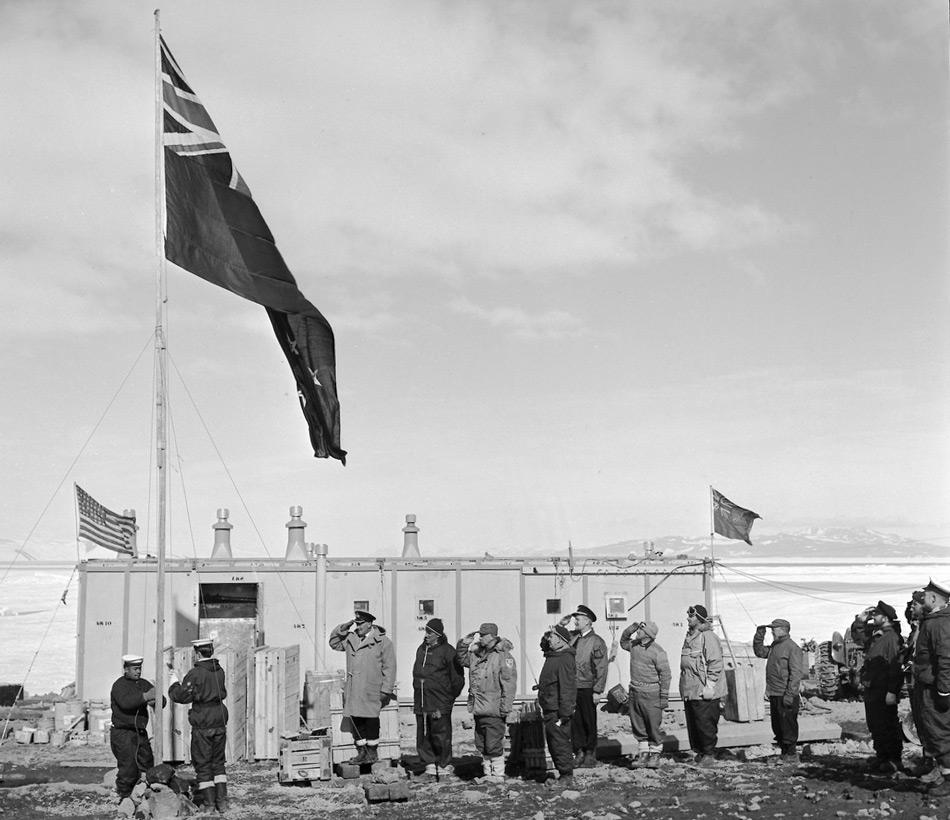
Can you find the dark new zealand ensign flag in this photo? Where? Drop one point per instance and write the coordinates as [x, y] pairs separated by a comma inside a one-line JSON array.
[[215, 230]]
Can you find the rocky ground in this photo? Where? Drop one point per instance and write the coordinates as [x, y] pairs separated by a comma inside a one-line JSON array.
[[830, 782]]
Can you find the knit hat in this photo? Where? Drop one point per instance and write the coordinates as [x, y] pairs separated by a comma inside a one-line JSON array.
[[436, 626], [488, 628], [562, 633], [699, 611], [650, 629], [886, 610]]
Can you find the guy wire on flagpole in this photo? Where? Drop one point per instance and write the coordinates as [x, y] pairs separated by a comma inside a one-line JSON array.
[[161, 390]]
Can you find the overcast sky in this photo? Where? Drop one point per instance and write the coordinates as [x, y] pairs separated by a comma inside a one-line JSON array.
[[582, 259]]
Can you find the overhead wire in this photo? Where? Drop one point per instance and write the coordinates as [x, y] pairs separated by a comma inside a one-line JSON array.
[[19, 551]]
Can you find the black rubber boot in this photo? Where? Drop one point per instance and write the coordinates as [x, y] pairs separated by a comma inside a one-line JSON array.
[[221, 797], [372, 754], [360, 757], [207, 798]]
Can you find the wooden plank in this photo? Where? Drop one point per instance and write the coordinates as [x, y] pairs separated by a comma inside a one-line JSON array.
[[276, 699]]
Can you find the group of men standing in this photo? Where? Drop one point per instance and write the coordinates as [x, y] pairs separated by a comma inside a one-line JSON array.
[[921, 664], [569, 685]]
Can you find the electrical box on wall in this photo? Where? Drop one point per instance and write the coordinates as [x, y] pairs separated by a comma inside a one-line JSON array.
[[616, 607], [425, 611]]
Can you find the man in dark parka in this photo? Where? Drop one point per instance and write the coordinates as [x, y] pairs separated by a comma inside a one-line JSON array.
[[557, 697], [437, 680]]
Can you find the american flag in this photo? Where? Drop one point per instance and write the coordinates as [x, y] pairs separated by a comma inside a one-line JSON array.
[[102, 527]]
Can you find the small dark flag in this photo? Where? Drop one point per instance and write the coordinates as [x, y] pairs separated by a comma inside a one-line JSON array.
[[731, 520], [215, 230], [103, 528]]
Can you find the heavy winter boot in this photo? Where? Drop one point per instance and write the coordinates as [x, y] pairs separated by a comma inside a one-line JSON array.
[[221, 797], [359, 758], [206, 796], [371, 755]]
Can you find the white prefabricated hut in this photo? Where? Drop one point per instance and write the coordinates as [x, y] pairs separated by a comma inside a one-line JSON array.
[[296, 600]]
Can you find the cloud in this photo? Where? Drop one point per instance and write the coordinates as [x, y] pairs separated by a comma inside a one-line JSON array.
[[551, 324]]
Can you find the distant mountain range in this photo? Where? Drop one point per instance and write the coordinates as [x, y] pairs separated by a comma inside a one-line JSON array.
[[815, 543]]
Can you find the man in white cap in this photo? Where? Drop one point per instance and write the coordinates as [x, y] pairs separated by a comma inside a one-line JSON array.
[[932, 685], [783, 677], [203, 687], [131, 697], [650, 678]]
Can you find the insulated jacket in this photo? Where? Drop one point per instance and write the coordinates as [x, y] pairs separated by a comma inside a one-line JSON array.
[[370, 669], [785, 666], [437, 678], [701, 664], [932, 658], [557, 683], [129, 708], [649, 665], [591, 661], [492, 677], [883, 654], [203, 688]]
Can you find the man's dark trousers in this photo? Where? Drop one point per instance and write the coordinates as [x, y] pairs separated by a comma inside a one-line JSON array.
[[702, 725], [434, 741], [133, 755], [784, 723], [490, 735], [208, 753], [584, 722], [559, 743], [884, 725]]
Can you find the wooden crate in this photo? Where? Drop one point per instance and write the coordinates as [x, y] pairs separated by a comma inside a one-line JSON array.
[[177, 729], [342, 731], [273, 699], [745, 698], [307, 759]]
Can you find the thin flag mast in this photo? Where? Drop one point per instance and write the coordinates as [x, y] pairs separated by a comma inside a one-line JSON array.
[[161, 397]]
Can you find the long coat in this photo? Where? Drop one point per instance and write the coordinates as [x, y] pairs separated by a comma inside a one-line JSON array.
[[701, 664], [370, 669]]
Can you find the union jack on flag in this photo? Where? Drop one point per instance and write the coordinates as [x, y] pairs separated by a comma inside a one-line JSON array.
[[188, 129], [103, 528]]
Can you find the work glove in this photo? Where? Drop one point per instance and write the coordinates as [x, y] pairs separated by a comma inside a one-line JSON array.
[[942, 702], [562, 721], [664, 704], [760, 629], [709, 690], [890, 699], [437, 714], [788, 699], [385, 698], [149, 695]]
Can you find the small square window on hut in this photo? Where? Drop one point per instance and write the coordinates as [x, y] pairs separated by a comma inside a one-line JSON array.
[[426, 606], [554, 606], [363, 606]]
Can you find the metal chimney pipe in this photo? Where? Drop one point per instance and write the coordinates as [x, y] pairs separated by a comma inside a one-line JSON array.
[[320, 611], [296, 548], [222, 535], [410, 538]]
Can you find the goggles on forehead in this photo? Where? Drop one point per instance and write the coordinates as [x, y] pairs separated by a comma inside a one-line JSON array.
[[691, 611]]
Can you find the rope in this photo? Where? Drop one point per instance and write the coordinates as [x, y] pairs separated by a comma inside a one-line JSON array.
[[790, 590], [181, 478], [69, 469]]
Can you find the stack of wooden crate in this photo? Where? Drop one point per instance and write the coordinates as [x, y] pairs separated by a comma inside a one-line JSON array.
[[745, 698]]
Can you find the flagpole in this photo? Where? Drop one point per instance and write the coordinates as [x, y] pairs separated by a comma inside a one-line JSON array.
[[712, 546], [161, 422]]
